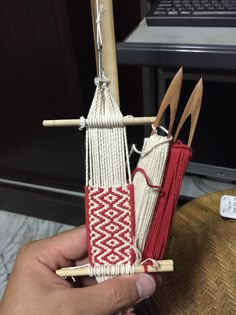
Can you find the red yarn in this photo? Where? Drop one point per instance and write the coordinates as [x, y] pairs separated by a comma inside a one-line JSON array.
[[142, 171], [177, 162]]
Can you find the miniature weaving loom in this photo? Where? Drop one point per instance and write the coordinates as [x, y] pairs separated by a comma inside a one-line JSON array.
[[128, 217]]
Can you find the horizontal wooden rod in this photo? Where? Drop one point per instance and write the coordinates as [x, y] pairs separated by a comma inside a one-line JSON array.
[[128, 121], [160, 266]]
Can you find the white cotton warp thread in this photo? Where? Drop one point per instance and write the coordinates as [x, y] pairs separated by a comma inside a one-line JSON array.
[[106, 142], [153, 161], [111, 270], [107, 156]]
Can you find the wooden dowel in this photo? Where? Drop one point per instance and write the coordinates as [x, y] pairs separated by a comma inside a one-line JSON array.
[[160, 266], [128, 121], [109, 44]]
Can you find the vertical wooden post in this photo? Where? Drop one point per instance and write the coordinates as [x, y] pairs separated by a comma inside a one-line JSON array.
[[109, 44]]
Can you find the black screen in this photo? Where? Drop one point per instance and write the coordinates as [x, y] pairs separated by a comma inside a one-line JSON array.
[[213, 142]]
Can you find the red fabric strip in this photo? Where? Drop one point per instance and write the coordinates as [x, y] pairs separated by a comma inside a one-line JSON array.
[[177, 162], [110, 224]]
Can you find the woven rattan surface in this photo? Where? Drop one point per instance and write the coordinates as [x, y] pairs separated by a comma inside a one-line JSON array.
[[203, 247]]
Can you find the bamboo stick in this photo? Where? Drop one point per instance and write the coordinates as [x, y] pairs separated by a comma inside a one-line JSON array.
[[160, 266], [109, 44], [128, 121]]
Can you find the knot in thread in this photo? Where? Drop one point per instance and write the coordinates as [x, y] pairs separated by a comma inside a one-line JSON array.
[[101, 81], [82, 123]]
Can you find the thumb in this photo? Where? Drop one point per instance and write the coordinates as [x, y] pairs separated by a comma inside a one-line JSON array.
[[120, 293]]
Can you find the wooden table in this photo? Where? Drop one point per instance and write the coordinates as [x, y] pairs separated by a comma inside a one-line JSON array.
[[203, 247]]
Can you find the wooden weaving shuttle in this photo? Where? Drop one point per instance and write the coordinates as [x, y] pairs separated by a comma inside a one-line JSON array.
[[192, 109], [178, 159], [149, 173], [171, 98]]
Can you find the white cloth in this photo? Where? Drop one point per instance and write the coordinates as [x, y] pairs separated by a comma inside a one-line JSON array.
[[17, 230]]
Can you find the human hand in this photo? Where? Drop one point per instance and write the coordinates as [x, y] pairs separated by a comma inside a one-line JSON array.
[[34, 289]]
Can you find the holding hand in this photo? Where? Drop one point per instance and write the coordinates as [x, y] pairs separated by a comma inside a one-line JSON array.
[[34, 288]]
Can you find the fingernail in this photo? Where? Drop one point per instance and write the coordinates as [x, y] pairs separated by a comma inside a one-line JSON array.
[[146, 286]]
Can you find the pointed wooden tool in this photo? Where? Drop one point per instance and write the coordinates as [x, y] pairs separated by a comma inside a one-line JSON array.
[[171, 98], [178, 159], [192, 109]]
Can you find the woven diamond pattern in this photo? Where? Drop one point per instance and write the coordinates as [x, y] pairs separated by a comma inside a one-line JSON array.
[[110, 223]]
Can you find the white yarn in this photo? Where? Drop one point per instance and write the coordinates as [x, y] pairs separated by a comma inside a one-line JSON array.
[[152, 161], [107, 158], [107, 162], [111, 270], [100, 10], [82, 123]]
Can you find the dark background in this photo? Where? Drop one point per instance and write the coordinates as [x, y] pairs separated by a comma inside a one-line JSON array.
[[47, 68]]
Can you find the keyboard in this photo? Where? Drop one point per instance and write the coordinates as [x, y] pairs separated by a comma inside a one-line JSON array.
[[216, 13]]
